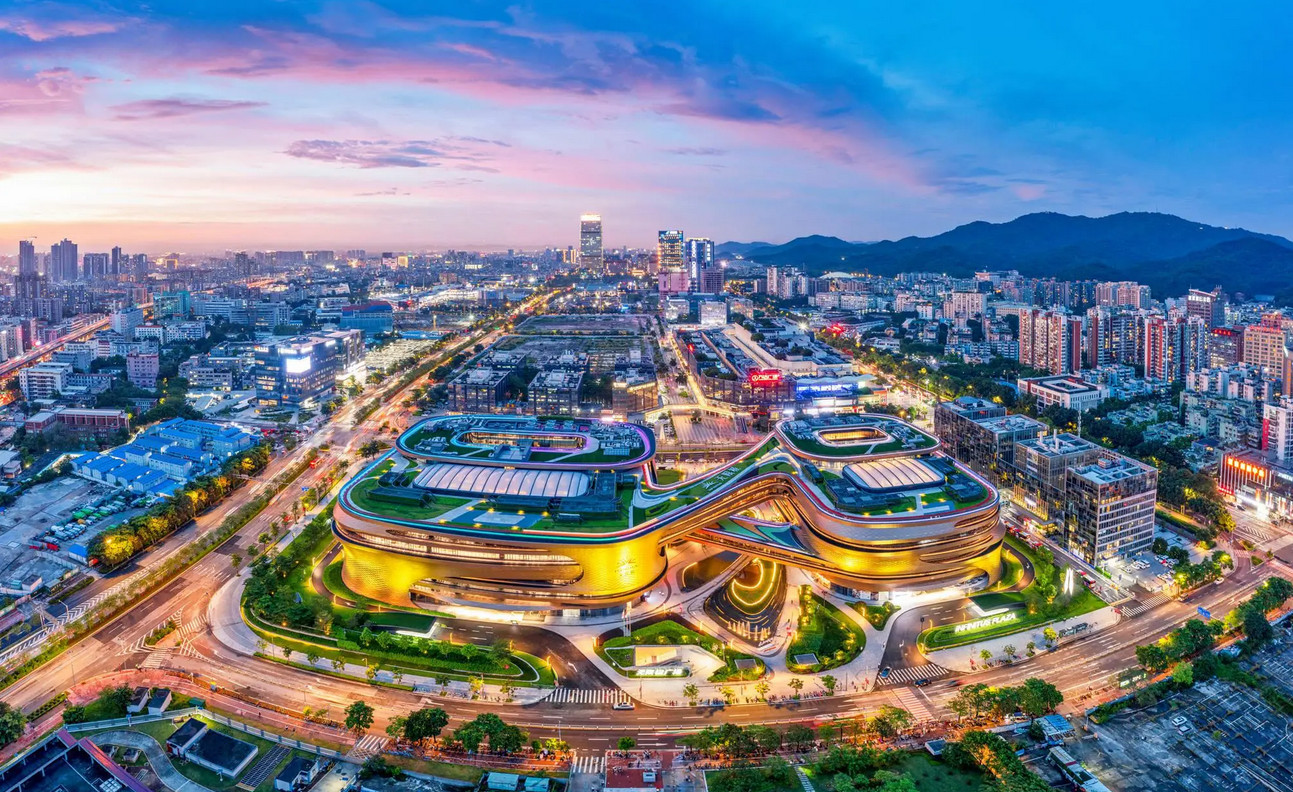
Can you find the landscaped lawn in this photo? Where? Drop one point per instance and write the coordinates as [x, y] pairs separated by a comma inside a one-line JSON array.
[[359, 495], [666, 476], [1082, 601], [934, 775], [671, 633], [876, 615], [824, 631]]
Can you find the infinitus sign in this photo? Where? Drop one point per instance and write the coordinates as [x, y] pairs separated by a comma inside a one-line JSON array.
[[988, 622], [764, 378]]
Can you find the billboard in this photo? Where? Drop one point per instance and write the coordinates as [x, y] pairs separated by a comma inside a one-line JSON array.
[[764, 378]]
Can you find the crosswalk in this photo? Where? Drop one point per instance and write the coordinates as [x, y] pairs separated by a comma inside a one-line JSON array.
[[593, 764], [910, 674], [908, 700], [1142, 605], [1256, 531], [368, 745], [563, 695]]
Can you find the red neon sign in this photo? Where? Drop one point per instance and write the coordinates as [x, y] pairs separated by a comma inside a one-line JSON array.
[[764, 378]]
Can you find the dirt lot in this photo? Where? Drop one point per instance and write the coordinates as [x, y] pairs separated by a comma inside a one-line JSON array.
[[1234, 743]]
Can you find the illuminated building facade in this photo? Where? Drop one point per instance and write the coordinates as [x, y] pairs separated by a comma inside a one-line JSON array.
[[566, 514]]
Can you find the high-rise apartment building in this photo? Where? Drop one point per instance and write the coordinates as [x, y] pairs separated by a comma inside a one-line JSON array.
[[1111, 336], [1126, 294], [1173, 346], [63, 261], [1264, 344], [1277, 429], [1050, 340], [669, 251], [94, 265], [962, 306], [592, 256]]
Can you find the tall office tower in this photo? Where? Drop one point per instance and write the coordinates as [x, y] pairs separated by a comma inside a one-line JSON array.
[[1208, 306], [140, 265], [1050, 340], [94, 265], [669, 250], [63, 261], [114, 266], [700, 257], [592, 255], [1110, 507]]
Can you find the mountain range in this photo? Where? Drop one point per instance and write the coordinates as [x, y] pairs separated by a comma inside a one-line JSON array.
[[1168, 253]]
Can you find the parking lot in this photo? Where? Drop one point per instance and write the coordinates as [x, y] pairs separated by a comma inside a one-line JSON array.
[[1217, 736]]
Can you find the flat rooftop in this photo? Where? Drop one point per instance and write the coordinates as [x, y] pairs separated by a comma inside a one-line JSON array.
[[1011, 423], [1110, 470], [1066, 384], [1058, 445]]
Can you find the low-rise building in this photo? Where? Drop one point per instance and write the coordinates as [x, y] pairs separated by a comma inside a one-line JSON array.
[[477, 390], [1070, 392], [555, 393], [79, 420]]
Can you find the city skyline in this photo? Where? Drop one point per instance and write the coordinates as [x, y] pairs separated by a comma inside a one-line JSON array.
[[347, 124]]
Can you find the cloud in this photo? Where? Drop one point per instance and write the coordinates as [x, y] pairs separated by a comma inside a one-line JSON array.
[[695, 151], [49, 21], [149, 109], [454, 152]]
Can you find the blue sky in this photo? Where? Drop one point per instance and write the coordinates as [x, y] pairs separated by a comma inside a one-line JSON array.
[[200, 126]]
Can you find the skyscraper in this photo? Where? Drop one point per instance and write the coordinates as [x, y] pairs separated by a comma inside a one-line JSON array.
[[27, 258], [591, 253], [114, 267], [700, 257], [669, 250], [63, 261], [1050, 341]]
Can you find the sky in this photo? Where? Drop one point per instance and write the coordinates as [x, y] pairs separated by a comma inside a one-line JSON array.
[[203, 126]]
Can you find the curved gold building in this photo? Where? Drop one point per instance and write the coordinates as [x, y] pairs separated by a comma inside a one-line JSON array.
[[557, 513]]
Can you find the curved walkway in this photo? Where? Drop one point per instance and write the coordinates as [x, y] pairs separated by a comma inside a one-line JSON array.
[[157, 758]]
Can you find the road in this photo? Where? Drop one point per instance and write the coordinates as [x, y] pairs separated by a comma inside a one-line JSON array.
[[1074, 667]]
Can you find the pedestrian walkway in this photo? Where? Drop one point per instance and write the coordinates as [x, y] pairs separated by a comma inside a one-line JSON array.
[[368, 745], [565, 695], [908, 700], [803, 779], [911, 674], [157, 758], [1139, 606], [594, 764]]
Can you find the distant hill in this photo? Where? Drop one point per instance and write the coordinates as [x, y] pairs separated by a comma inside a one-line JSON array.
[[738, 248], [1166, 252]]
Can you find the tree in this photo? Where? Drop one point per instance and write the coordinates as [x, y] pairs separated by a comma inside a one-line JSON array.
[[235, 560], [1152, 657], [797, 685], [889, 721], [370, 672], [311, 657], [1009, 651], [424, 724], [762, 687], [692, 693], [727, 693], [395, 729], [12, 723], [1037, 697], [985, 655], [359, 717], [287, 652], [1050, 636], [626, 743], [1257, 630], [829, 682], [799, 737], [470, 735], [1183, 674]]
